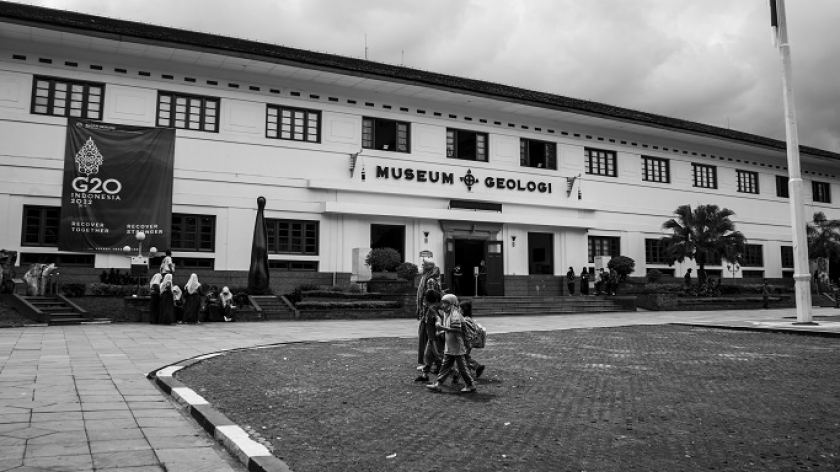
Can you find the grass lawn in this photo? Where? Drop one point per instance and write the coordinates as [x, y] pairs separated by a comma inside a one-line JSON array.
[[664, 398]]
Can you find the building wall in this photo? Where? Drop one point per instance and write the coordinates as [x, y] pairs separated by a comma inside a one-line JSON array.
[[221, 174]]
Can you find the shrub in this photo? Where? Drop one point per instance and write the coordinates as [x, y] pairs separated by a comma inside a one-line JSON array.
[[383, 259], [73, 290], [340, 295], [342, 305], [407, 271], [653, 276], [623, 265], [347, 288], [111, 290]]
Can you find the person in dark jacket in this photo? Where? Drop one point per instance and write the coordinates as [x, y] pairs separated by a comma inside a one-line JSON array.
[[154, 299], [167, 301], [584, 282], [570, 281]]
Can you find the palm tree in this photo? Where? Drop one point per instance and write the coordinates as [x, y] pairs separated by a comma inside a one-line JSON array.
[[702, 235], [823, 243]]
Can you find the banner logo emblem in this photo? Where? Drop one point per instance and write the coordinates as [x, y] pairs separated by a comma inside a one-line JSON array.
[[88, 159]]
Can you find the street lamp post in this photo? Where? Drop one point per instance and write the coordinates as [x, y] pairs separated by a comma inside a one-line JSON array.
[[139, 263]]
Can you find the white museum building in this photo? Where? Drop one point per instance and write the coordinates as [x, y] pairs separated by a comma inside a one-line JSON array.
[[353, 154]]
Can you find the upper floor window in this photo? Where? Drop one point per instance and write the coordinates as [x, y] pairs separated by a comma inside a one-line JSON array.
[[603, 246], [295, 124], [468, 145], [188, 112], [704, 176], [539, 154], [600, 162], [747, 181], [655, 169], [386, 135], [71, 98], [787, 257], [654, 252], [822, 192], [753, 256], [292, 236], [40, 226], [782, 189], [195, 233]]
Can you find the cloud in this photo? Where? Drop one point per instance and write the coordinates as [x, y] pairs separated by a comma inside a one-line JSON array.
[[710, 61]]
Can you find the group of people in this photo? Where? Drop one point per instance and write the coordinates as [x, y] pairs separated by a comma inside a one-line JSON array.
[[442, 350], [171, 303], [606, 283], [458, 276]]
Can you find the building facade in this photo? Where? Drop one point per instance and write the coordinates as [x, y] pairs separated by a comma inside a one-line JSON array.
[[352, 154]]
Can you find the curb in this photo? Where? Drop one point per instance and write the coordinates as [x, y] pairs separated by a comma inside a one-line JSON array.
[[255, 456], [757, 329]]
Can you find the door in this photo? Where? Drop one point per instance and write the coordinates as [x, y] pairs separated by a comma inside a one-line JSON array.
[[495, 268]]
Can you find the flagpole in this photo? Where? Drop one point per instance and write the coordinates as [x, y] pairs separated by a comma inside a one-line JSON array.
[[802, 274]]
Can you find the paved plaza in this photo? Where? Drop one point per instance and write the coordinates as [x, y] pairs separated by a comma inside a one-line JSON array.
[[76, 398]]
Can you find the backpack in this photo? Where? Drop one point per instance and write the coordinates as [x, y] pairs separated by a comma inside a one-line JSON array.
[[475, 336]]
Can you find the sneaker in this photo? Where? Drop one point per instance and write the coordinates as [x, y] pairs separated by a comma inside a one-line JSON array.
[[434, 387], [422, 378], [420, 367], [227, 319], [468, 389], [479, 371]]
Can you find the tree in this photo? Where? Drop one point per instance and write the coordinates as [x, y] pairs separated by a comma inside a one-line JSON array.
[[702, 235], [823, 237], [623, 265], [823, 245], [383, 259]]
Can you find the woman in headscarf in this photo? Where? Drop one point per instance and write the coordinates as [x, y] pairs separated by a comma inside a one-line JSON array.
[[430, 280], [154, 297], [167, 304], [193, 295], [178, 301], [226, 300]]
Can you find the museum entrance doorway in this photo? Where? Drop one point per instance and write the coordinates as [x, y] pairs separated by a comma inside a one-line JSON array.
[[482, 267]]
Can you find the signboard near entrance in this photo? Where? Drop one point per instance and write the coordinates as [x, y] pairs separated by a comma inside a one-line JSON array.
[[425, 253]]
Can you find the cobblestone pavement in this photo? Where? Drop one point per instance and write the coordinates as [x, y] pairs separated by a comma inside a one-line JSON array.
[[75, 398], [663, 398]]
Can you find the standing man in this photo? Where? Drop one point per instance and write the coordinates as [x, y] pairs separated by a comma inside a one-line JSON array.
[[167, 266], [688, 279], [429, 280], [456, 280], [482, 279]]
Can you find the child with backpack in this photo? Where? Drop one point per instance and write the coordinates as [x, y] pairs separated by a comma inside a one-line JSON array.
[[478, 330], [454, 346]]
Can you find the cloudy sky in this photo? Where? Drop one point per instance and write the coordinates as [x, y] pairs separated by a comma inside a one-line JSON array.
[[709, 61]]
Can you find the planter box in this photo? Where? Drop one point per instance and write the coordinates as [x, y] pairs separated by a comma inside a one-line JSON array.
[[353, 314], [390, 286]]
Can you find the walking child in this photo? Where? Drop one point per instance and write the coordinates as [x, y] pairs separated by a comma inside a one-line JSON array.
[[455, 348], [474, 365]]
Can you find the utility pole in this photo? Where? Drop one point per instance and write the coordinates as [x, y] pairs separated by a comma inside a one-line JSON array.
[[801, 274]]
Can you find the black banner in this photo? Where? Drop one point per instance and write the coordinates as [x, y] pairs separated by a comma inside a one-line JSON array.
[[117, 181]]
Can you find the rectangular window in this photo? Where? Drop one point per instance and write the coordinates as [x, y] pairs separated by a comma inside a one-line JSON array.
[[752, 274], [60, 97], [753, 256], [822, 192], [537, 154], [747, 181], [600, 162], [40, 226], [467, 145], [193, 233], [193, 112], [295, 124], [540, 253], [193, 263], [387, 135], [654, 252], [305, 266], [704, 176], [392, 236], [63, 260], [787, 257], [603, 246], [655, 169], [292, 236], [782, 189]]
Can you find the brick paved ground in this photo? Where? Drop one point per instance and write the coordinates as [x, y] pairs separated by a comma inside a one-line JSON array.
[[611, 399]]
